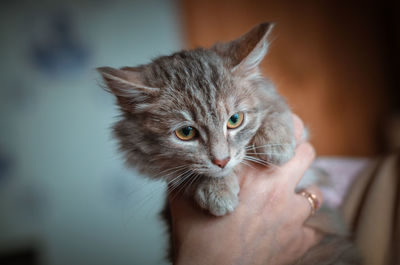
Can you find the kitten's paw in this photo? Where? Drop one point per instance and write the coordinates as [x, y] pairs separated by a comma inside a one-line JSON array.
[[218, 199]]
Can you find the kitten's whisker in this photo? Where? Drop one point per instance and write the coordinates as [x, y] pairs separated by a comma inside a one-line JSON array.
[[260, 161], [172, 179], [153, 191], [247, 164], [249, 147], [138, 188], [150, 194], [181, 186], [169, 169], [256, 159], [272, 153], [257, 162], [188, 179], [194, 178], [158, 189], [266, 145], [178, 179]]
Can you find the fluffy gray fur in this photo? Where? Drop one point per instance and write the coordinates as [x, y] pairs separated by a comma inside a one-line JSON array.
[[202, 88]]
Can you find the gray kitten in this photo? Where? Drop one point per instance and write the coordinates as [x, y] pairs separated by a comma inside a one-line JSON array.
[[192, 117], [198, 112]]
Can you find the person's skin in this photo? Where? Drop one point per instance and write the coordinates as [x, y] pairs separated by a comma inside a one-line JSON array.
[[267, 227]]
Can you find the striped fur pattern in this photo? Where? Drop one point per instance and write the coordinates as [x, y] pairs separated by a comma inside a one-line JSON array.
[[202, 88]]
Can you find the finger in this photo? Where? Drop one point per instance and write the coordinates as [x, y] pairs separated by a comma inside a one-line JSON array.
[[298, 128], [297, 166], [309, 206]]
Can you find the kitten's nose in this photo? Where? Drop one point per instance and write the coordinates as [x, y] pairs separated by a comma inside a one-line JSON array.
[[221, 162]]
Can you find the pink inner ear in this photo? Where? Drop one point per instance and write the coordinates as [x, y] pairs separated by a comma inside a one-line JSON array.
[[252, 41], [121, 77], [249, 49], [133, 75], [127, 86], [126, 83]]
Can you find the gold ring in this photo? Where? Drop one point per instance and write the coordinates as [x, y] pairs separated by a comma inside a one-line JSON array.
[[312, 199]]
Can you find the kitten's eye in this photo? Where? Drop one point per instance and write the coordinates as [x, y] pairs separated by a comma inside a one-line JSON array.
[[186, 133], [235, 120]]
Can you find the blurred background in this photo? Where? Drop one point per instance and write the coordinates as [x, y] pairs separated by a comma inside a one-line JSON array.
[[65, 195]]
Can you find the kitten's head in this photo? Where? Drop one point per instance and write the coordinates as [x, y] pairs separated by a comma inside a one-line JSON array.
[[194, 110]]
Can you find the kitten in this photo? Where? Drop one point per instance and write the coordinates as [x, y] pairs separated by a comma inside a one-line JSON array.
[[195, 114], [192, 117]]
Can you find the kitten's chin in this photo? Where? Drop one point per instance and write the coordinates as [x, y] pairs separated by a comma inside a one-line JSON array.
[[221, 173]]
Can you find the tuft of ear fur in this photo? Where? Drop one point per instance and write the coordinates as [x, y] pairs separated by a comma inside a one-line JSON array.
[[127, 85], [243, 55]]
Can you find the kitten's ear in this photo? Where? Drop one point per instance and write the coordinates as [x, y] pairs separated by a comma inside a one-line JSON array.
[[244, 54], [127, 85]]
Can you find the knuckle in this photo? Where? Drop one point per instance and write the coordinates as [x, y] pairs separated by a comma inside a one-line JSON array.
[[308, 149], [297, 121]]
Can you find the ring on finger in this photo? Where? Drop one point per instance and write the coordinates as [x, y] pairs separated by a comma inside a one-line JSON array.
[[312, 199]]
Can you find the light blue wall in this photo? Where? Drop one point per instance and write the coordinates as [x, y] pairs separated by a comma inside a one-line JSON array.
[[63, 186]]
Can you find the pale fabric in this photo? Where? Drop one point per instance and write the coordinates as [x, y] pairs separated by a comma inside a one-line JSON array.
[[342, 172], [370, 209]]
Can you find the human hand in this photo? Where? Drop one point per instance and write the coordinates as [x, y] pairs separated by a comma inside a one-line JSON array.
[[267, 227]]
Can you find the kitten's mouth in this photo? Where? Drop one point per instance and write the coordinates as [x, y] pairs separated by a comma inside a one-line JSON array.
[[223, 172]]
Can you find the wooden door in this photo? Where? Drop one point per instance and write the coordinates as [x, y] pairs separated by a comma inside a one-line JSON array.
[[324, 58]]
